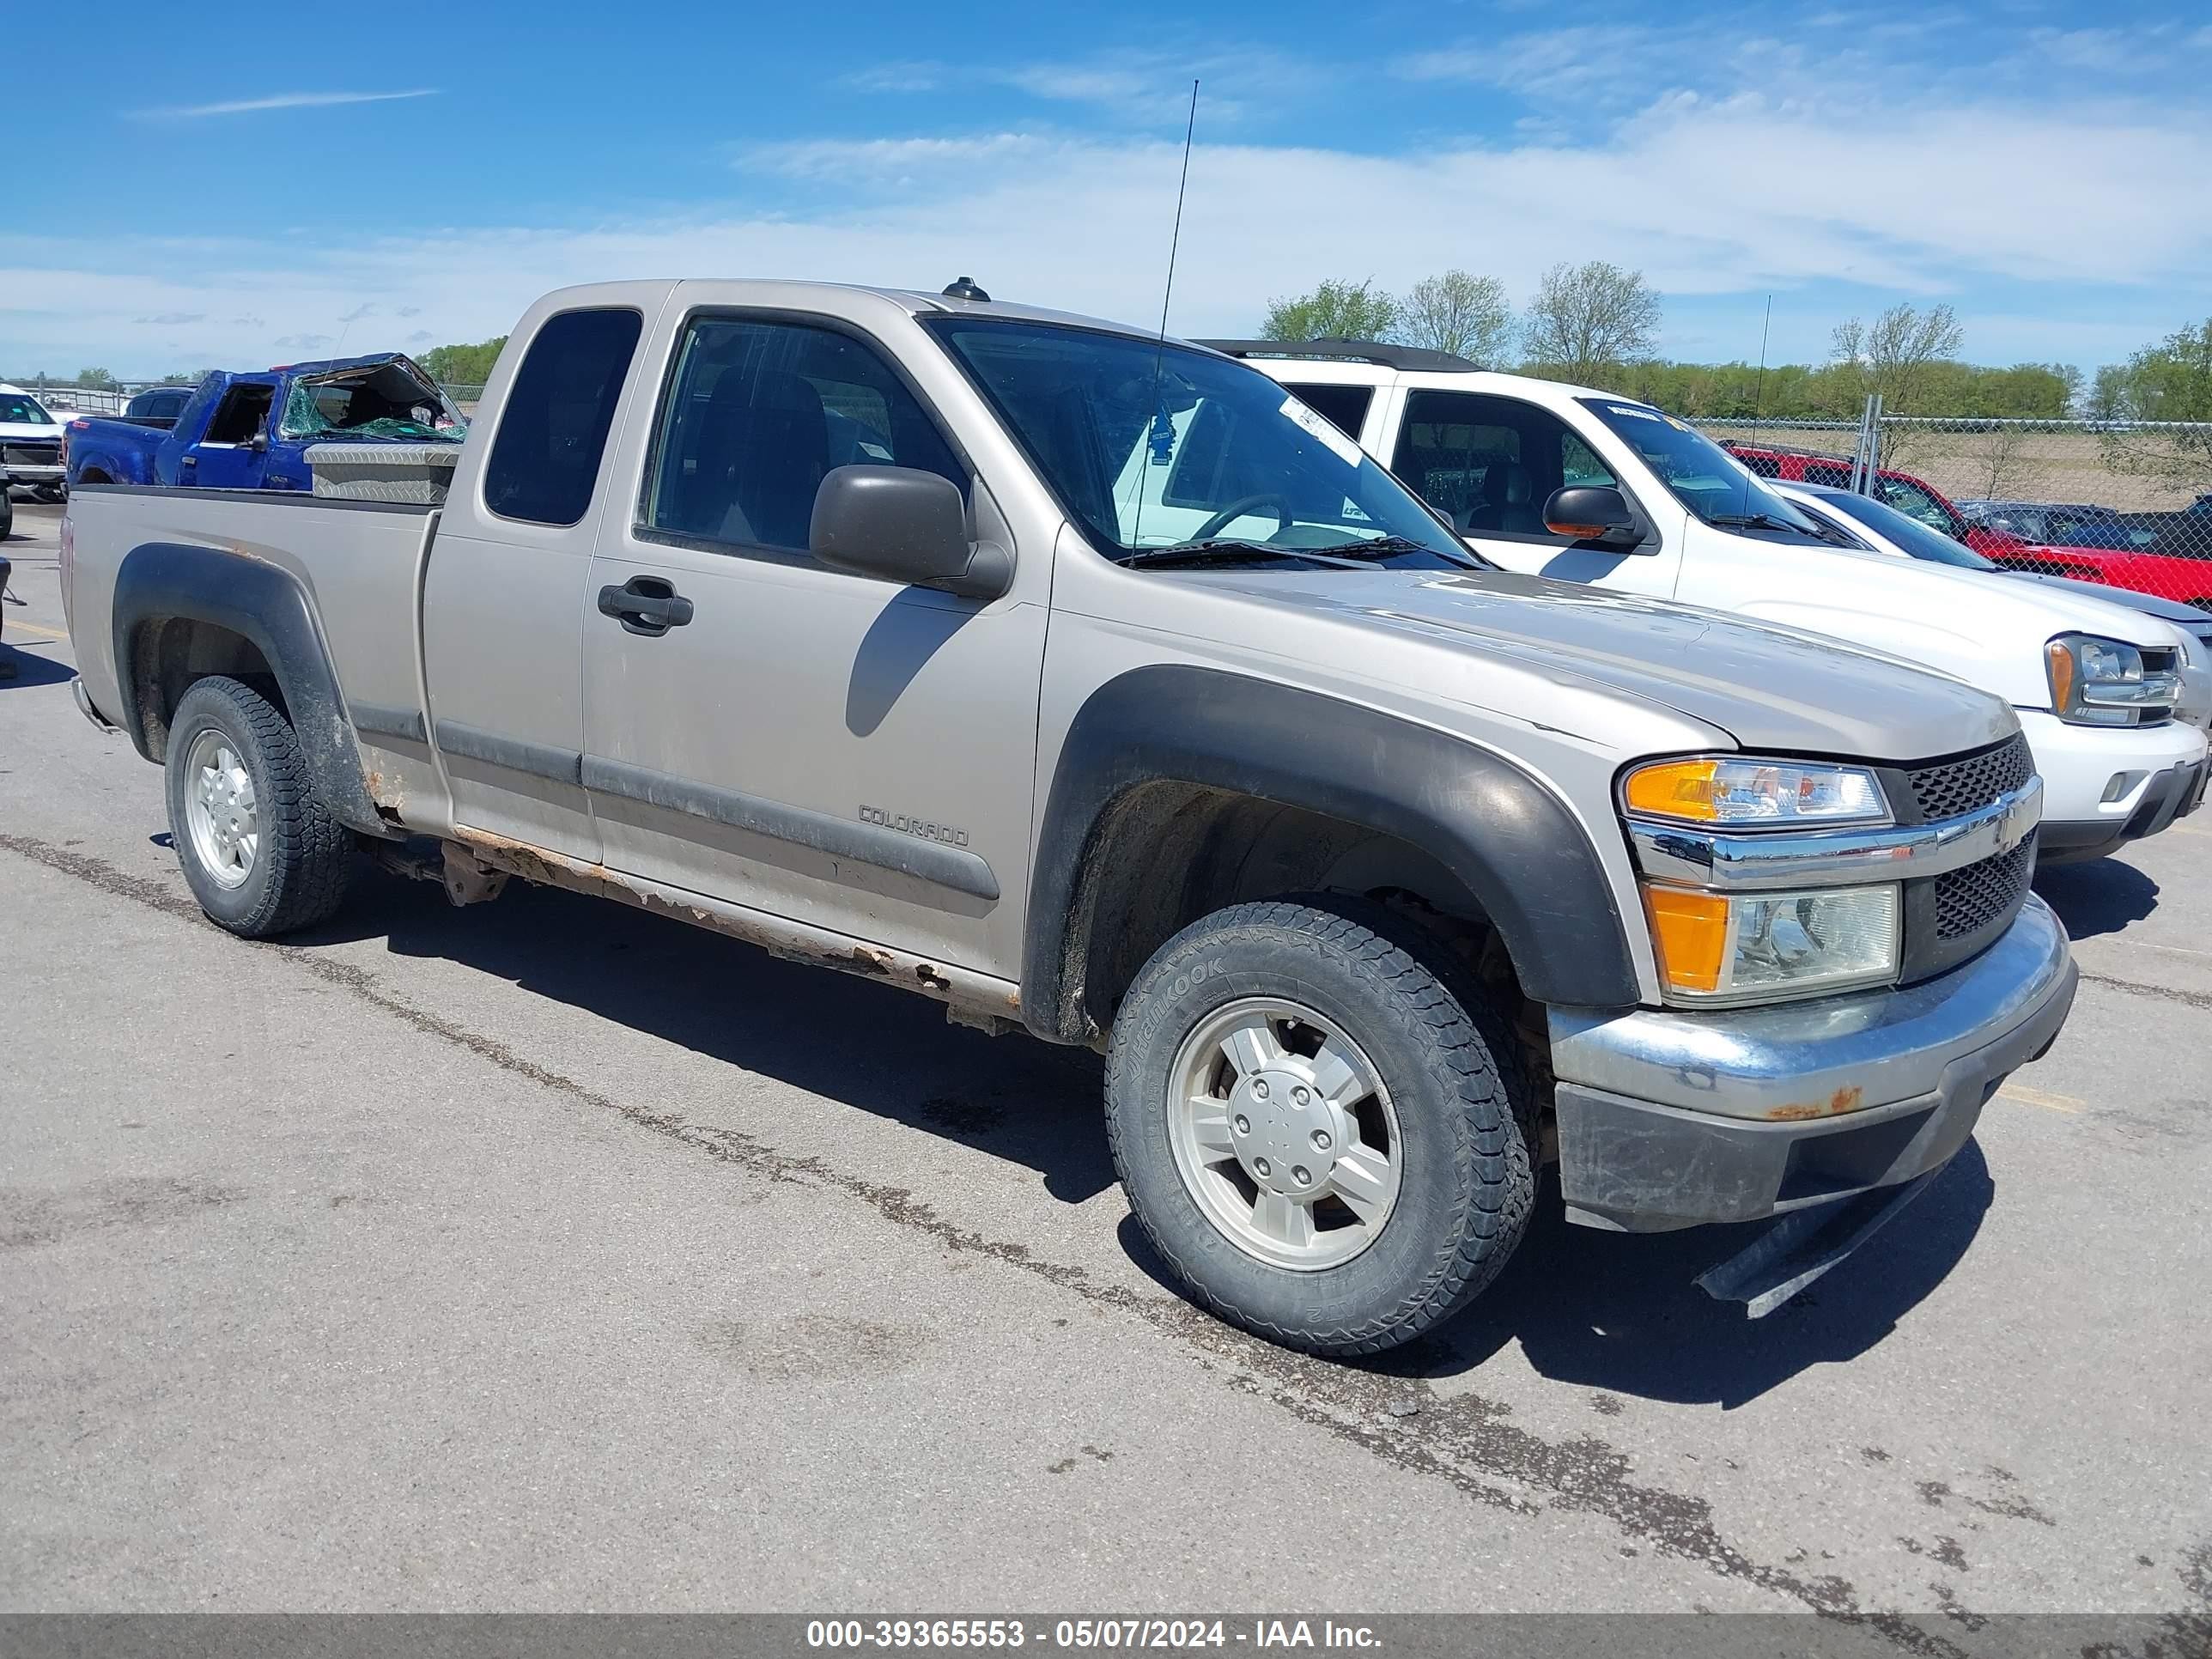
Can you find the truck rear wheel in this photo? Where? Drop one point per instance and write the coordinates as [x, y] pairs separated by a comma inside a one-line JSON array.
[[260, 851], [1314, 1133]]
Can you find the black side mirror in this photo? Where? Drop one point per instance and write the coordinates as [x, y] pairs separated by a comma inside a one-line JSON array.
[[908, 525], [1594, 513]]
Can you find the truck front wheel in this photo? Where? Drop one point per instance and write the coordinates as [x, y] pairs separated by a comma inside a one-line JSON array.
[[260, 853], [1314, 1133]]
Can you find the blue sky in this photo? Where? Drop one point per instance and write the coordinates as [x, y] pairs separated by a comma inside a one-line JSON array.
[[231, 195]]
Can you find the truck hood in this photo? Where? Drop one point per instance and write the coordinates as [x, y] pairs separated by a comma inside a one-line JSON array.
[[23, 431], [2187, 617], [1772, 688]]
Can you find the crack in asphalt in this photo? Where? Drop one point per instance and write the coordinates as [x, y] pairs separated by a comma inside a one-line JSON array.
[[2164, 993], [1465, 1442]]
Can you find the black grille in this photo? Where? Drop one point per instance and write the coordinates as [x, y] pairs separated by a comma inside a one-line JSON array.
[[1968, 901], [1951, 788], [31, 453]]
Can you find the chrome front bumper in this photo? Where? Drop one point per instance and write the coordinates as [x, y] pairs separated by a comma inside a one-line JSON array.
[[1668, 1118]]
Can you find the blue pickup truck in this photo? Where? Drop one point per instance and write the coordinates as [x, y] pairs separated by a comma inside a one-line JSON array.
[[253, 431]]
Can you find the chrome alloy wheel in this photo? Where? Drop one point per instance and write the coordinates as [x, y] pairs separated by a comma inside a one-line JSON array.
[[220, 814], [1284, 1133]]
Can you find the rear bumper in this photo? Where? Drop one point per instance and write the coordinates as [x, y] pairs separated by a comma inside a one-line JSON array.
[[84, 705], [1670, 1120]]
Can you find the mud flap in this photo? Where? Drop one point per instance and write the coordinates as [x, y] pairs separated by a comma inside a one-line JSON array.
[[1804, 1245]]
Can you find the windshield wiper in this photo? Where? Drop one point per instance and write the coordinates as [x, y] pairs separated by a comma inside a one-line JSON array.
[[1761, 521], [1374, 548], [1229, 548]]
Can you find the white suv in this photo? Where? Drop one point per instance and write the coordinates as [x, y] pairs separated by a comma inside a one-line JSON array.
[[1572, 483]]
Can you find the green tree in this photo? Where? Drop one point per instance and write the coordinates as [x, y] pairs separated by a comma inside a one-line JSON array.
[[461, 365], [2107, 399], [2169, 382], [95, 379], [1336, 310], [1590, 320], [1465, 315], [1902, 357]]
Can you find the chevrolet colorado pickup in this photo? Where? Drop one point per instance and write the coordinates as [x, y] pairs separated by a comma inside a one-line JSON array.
[[1084, 681]]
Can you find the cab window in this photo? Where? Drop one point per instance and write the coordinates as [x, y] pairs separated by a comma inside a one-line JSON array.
[[756, 414], [240, 416], [1490, 464], [553, 429]]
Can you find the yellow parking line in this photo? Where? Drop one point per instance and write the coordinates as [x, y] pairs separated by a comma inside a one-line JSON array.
[[2027, 1096], [9, 626]]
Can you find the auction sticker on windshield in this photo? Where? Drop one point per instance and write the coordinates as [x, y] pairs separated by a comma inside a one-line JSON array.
[[1320, 426]]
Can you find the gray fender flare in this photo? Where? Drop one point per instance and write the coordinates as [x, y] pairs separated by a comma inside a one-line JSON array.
[[159, 582], [1525, 858]]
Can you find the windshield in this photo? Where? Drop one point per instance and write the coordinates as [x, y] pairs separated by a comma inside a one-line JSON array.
[[1918, 502], [16, 407], [1911, 536], [1704, 478], [1151, 448], [384, 400]]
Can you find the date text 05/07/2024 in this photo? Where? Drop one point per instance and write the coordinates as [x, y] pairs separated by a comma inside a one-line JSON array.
[[1259, 1634]]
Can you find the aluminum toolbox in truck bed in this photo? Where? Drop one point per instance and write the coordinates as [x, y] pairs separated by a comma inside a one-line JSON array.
[[416, 473]]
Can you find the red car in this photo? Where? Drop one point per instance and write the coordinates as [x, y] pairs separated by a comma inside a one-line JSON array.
[[1915, 497], [2091, 543], [2081, 544]]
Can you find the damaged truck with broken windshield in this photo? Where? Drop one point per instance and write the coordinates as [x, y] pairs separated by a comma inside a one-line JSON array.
[[374, 426], [1092, 685]]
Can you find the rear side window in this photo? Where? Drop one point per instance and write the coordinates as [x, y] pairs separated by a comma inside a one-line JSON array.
[[559, 412], [1346, 406]]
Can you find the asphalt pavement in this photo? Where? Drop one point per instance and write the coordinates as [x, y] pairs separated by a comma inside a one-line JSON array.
[[547, 1254]]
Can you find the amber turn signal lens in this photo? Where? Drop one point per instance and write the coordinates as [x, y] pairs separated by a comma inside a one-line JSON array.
[[1581, 532], [1683, 790], [1691, 930], [2062, 675]]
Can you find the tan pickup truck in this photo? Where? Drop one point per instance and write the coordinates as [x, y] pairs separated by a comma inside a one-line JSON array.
[[1089, 682]]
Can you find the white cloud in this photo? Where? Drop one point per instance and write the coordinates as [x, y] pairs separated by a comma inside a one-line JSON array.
[[1147, 87], [1712, 198], [281, 101]]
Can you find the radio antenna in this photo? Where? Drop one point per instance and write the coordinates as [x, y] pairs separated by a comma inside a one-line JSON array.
[[1759, 392], [1154, 414]]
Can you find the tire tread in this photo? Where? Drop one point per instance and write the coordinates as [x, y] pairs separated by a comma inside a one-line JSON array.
[[309, 853], [1491, 1136]]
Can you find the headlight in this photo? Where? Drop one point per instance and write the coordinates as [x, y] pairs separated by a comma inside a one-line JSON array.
[[2096, 682], [1759, 946], [1753, 794]]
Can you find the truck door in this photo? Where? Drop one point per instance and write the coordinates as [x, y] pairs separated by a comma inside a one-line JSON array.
[[505, 585], [1489, 464], [774, 733], [232, 452]]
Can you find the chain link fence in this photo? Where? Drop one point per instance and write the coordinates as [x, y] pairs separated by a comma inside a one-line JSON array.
[[2128, 504]]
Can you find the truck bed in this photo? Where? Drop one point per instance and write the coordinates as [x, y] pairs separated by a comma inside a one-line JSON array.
[[350, 550]]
